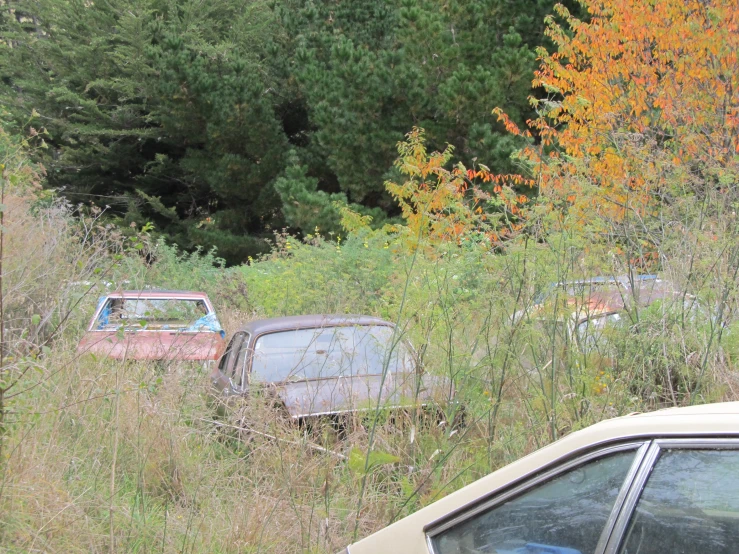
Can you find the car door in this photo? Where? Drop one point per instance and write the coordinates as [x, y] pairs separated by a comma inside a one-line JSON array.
[[684, 499], [665, 495], [566, 510]]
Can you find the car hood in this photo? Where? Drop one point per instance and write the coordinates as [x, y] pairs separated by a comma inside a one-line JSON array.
[[153, 345]]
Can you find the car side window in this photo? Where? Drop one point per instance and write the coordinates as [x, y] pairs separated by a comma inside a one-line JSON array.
[[565, 515], [690, 504], [224, 365], [237, 371]]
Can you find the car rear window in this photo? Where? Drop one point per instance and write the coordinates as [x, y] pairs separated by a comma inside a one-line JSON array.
[[154, 314], [329, 352]]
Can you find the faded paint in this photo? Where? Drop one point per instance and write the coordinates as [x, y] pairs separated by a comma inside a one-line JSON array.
[[313, 397], [153, 345], [598, 296], [330, 395], [618, 297], [144, 344]]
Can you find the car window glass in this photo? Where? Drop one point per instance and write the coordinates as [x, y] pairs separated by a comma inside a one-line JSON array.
[[225, 364], [157, 314], [690, 504], [237, 372], [565, 515], [328, 352]]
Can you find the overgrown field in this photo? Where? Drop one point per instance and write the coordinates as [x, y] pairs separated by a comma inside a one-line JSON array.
[[101, 455], [628, 167]]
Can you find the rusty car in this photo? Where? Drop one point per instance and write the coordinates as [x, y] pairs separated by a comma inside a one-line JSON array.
[[321, 365], [581, 311], [162, 325]]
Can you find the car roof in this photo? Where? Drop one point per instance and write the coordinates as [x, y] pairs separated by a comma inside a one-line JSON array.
[[710, 420], [155, 293], [260, 326]]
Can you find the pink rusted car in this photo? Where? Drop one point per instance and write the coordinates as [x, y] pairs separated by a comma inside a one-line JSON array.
[[155, 325]]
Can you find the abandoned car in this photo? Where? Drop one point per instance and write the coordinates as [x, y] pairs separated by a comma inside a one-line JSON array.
[[652, 483], [582, 310], [326, 365], [155, 325]]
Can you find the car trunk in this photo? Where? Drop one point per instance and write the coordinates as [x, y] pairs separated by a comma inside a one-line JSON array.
[[153, 345]]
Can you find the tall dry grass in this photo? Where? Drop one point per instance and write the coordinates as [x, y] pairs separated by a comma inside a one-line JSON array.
[[109, 456]]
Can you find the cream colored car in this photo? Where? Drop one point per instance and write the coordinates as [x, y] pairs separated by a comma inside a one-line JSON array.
[[665, 482]]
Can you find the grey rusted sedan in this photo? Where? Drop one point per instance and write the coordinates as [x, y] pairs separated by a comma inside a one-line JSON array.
[[326, 364]]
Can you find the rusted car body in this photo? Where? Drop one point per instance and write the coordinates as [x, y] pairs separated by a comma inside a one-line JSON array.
[[325, 365], [155, 325], [585, 308]]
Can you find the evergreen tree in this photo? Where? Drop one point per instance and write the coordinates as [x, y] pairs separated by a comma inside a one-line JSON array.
[[224, 121], [157, 108], [370, 71]]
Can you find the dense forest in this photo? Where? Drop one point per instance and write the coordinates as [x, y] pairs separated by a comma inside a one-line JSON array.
[[222, 122]]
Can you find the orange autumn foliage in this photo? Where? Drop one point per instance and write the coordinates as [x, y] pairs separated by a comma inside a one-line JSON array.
[[643, 104], [449, 204]]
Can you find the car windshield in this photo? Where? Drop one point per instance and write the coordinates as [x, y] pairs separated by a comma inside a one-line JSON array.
[[329, 352], [153, 314]]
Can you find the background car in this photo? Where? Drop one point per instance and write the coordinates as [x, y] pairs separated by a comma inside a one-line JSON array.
[[155, 325], [326, 364], [666, 481], [581, 311]]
